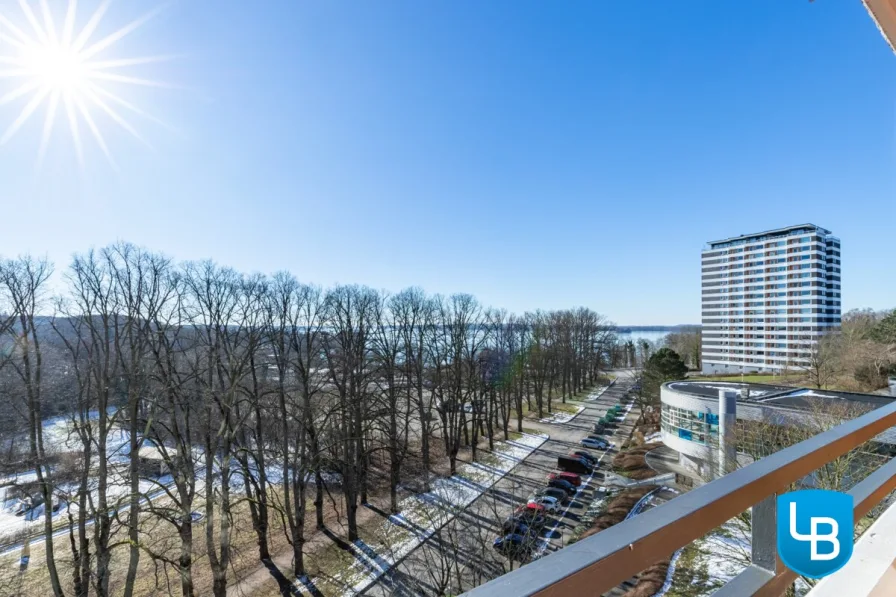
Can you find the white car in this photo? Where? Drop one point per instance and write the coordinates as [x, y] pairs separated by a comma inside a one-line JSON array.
[[547, 502], [594, 444]]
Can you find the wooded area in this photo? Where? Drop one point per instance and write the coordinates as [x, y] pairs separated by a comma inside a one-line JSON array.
[[190, 392]]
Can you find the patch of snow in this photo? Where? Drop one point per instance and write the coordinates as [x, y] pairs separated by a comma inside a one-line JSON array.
[[596, 393], [562, 416], [421, 515]]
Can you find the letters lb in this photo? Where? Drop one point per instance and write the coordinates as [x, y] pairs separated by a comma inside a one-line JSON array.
[[815, 531]]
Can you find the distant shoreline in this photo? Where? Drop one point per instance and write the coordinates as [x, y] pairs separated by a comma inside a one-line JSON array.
[[657, 328]]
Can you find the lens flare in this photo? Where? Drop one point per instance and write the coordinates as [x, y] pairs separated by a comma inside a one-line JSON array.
[[50, 67]]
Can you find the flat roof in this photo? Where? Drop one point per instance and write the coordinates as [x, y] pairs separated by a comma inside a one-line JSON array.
[[767, 232], [710, 389], [773, 395]]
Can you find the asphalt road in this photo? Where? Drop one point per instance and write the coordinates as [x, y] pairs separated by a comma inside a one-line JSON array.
[[457, 553]]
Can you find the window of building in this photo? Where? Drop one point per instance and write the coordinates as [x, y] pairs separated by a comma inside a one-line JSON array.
[[691, 425]]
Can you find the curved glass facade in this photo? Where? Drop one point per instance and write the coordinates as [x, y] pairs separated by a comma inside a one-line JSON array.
[[690, 425]]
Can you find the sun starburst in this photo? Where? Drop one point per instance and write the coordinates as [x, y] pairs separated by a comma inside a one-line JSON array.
[[68, 70]]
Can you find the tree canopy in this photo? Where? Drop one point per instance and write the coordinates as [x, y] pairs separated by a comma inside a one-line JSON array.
[[667, 364]]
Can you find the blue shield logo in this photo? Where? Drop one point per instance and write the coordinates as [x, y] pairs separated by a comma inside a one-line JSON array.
[[815, 531]]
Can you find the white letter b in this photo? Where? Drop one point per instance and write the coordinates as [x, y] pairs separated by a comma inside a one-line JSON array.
[[829, 538], [814, 537]]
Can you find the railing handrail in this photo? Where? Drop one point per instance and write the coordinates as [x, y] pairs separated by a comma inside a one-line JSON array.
[[598, 563]]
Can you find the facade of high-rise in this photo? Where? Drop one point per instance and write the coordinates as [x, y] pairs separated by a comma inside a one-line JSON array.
[[768, 297]]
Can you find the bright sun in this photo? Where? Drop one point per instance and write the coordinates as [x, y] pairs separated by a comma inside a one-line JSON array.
[[65, 69], [58, 68]]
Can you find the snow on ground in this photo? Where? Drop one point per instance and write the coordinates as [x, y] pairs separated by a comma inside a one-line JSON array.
[[117, 492], [596, 393], [421, 515], [724, 552], [60, 436], [562, 416]]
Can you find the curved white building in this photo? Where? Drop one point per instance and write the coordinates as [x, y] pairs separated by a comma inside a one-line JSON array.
[[699, 418]]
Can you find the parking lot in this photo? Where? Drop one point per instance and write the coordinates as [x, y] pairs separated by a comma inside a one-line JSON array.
[[470, 552]]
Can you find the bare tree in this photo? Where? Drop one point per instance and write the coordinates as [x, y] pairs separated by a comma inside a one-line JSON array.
[[351, 313], [220, 307], [174, 429], [818, 359], [294, 319], [413, 313], [23, 286]]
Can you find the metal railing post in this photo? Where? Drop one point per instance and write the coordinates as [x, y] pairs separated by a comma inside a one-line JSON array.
[[764, 534]]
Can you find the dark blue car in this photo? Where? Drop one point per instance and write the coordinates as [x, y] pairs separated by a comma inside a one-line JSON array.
[[513, 546], [563, 484], [587, 456], [517, 527]]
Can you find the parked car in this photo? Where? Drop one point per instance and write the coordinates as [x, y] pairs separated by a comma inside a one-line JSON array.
[[533, 517], [563, 485], [560, 494], [594, 444], [529, 509], [550, 504], [516, 526], [574, 464], [601, 429], [599, 440], [515, 547], [588, 456], [571, 477]]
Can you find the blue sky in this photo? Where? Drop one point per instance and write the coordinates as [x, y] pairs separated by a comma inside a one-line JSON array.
[[535, 154]]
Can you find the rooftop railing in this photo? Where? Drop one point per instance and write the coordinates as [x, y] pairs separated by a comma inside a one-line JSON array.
[[602, 561]]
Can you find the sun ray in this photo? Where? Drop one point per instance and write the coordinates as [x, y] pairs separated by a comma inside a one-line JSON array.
[[23, 37], [68, 26], [114, 37], [104, 64], [116, 117], [73, 127], [130, 106], [48, 21], [22, 72], [97, 135], [90, 27], [127, 79], [29, 14], [19, 92], [26, 113], [48, 126], [15, 42], [11, 60]]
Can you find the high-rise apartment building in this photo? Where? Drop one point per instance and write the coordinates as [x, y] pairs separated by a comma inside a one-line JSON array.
[[768, 297]]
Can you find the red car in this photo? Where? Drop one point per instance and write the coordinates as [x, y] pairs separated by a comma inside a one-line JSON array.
[[530, 509], [571, 477]]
